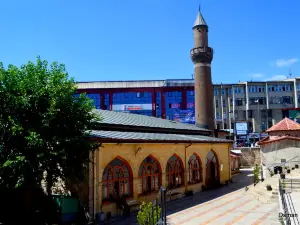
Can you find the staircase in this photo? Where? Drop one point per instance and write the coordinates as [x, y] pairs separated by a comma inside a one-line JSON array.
[[259, 191]]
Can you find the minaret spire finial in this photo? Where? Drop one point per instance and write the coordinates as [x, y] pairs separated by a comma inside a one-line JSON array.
[[199, 7]]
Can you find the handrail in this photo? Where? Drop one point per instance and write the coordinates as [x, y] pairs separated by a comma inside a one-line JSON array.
[[289, 183], [280, 164], [293, 211], [157, 213], [284, 204]]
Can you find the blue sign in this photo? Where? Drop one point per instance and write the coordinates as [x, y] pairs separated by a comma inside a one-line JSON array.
[[185, 116]]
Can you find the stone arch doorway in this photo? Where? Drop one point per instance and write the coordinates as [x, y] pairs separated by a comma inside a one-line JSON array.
[[212, 170]]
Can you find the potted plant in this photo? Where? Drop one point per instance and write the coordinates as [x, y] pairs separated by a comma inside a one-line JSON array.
[[282, 176], [293, 168], [188, 193], [101, 215], [269, 188], [288, 171], [296, 166]]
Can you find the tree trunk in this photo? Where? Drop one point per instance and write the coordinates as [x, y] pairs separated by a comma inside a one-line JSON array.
[[49, 184]]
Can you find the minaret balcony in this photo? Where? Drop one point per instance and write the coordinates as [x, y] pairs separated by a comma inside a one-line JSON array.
[[202, 54]]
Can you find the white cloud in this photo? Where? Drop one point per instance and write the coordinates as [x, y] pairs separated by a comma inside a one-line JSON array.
[[256, 75], [276, 77], [285, 62]]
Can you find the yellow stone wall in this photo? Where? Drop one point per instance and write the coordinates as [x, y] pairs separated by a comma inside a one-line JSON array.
[[134, 154]]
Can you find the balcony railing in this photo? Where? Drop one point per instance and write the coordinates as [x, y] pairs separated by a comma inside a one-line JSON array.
[[202, 49]]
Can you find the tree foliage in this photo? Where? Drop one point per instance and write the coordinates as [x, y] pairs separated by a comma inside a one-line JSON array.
[[256, 173], [43, 125]]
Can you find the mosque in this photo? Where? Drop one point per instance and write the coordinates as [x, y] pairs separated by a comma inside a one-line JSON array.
[[139, 154]]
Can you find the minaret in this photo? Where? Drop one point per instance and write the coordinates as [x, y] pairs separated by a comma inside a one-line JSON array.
[[202, 56]]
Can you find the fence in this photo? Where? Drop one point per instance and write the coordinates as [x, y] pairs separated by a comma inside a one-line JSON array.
[[286, 199], [158, 211], [284, 203], [291, 184]]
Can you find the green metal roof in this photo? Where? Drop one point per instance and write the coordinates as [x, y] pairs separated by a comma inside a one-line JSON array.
[[130, 119], [153, 137]]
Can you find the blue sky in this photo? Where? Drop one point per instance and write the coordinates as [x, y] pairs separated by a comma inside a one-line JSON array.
[[151, 39]]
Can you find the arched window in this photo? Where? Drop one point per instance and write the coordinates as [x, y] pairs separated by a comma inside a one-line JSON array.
[[150, 175], [117, 180], [174, 172], [195, 169]]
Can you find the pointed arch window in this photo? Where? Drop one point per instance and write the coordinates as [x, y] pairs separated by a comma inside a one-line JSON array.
[[195, 169], [117, 180], [150, 175], [174, 172], [211, 157]]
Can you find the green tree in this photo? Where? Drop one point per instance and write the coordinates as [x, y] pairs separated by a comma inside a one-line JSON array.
[[43, 126]]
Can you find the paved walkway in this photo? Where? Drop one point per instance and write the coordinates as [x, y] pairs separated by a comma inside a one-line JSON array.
[[226, 205], [235, 208]]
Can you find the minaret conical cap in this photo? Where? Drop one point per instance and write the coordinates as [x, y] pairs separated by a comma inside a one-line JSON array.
[[200, 21]]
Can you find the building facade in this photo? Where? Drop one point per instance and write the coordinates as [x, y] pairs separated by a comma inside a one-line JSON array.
[[262, 104], [139, 154], [281, 147]]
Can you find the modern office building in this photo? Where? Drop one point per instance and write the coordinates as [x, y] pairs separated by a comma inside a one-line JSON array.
[[261, 104], [247, 107]]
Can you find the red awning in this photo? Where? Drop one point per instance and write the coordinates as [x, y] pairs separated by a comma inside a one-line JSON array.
[[234, 156]]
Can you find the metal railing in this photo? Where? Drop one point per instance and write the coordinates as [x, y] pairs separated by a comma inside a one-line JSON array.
[[292, 209], [286, 199], [284, 203], [158, 212], [290, 184], [292, 160]]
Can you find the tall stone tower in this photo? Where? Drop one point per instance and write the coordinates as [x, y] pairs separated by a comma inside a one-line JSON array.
[[202, 56]]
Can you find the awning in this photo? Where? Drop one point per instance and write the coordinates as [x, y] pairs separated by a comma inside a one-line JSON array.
[[236, 151], [234, 156]]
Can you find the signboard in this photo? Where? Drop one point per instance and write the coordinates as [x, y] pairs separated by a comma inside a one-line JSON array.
[[254, 135], [185, 116], [241, 128], [132, 107], [294, 114], [190, 105], [175, 105], [263, 135]]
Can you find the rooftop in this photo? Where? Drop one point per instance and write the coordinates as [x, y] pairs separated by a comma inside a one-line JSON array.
[[285, 125], [161, 83], [127, 127], [131, 119], [200, 21], [269, 139], [136, 137]]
